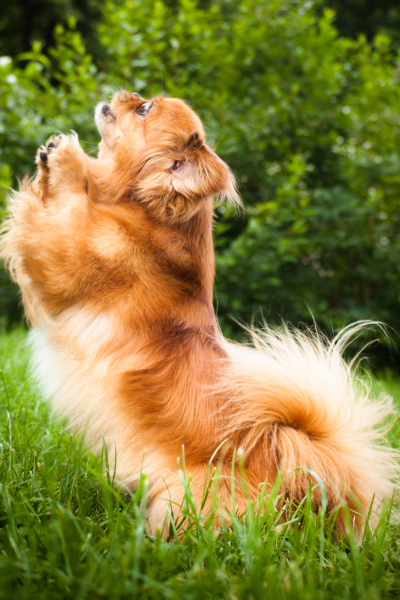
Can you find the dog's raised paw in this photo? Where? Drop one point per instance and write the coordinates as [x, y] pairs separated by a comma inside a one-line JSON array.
[[44, 150]]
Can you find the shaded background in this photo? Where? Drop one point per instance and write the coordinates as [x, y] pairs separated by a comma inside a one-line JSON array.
[[302, 99]]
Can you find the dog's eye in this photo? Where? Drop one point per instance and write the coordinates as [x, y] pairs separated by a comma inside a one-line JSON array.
[[143, 109]]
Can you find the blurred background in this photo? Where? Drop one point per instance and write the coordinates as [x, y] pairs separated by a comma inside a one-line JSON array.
[[300, 98]]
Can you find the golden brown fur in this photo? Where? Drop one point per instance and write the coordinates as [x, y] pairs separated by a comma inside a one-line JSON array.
[[115, 261]]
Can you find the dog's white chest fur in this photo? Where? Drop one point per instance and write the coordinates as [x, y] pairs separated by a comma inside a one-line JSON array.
[[72, 364], [77, 365]]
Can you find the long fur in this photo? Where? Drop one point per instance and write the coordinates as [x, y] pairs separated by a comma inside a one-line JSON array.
[[115, 262]]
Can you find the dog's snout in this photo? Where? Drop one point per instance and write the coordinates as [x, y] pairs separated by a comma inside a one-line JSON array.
[[106, 109]]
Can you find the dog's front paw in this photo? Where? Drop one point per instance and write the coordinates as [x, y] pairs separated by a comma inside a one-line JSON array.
[[43, 152], [61, 165]]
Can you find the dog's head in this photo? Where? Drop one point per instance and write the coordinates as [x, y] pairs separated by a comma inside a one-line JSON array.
[[160, 145]]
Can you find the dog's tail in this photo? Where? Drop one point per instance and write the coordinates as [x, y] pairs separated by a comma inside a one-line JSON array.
[[296, 406]]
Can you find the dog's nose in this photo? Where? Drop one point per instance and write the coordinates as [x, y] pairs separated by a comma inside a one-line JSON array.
[[106, 110]]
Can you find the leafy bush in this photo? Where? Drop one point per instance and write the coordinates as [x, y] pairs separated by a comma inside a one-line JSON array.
[[308, 121]]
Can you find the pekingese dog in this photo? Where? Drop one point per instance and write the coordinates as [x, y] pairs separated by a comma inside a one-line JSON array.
[[114, 257]]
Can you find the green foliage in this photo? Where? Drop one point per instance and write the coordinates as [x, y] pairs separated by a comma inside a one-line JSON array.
[[362, 16], [23, 21], [66, 532], [308, 121]]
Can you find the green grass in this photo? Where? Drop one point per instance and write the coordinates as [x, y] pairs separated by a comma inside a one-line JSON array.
[[65, 532]]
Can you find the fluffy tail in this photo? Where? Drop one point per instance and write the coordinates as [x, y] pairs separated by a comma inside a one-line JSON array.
[[296, 403]]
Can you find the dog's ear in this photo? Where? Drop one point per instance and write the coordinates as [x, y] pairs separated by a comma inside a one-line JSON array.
[[173, 178], [198, 172]]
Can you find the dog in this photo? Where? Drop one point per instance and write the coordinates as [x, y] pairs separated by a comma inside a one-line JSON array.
[[115, 261]]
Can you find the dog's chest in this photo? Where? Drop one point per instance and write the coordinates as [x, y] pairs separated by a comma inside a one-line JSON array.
[[77, 365], [72, 360]]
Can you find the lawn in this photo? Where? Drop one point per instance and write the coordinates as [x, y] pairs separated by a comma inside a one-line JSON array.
[[66, 532]]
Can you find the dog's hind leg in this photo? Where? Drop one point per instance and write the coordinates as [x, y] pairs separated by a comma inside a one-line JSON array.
[[202, 495]]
